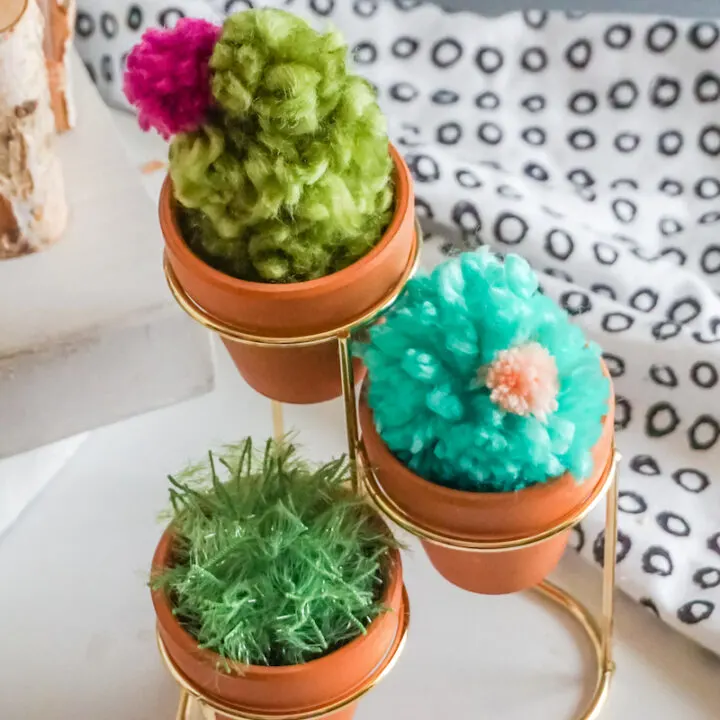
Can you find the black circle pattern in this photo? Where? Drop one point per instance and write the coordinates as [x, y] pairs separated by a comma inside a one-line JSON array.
[[663, 375], [673, 523], [445, 97], [645, 465], [624, 544], [446, 53], [489, 59], [695, 611], [707, 87], [618, 36], [579, 54], [84, 24], [623, 413], [365, 53], [405, 47], [533, 103], [404, 92], [169, 17], [134, 17], [661, 419], [631, 502], [707, 578], [488, 100], [692, 480], [656, 560], [322, 7], [467, 217], [704, 432], [510, 229]]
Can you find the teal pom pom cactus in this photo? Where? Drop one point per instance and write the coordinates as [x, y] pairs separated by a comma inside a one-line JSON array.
[[480, 382]]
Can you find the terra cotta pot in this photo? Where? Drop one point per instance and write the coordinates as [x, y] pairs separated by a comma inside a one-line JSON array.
[[292, 689], [488, 516], [305, 374]]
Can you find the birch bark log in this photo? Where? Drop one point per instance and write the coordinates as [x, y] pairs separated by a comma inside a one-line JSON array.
[[59, 23], [32, 199]]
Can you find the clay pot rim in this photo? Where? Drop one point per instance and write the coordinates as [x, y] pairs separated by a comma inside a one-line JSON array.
[[189, 644], [497, 500], [177, 245]]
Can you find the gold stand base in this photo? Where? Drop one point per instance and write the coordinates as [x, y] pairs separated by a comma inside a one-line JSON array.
[[590, 627]]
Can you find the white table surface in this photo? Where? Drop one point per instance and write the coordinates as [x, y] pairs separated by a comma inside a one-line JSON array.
[[76, 622], [85, 326], [77, 626]]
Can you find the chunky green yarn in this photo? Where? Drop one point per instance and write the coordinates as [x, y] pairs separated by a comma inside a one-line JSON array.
[[291, 178], [276, 561]]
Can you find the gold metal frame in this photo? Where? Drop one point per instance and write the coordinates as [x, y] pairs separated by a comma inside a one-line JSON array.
[[364, 480]]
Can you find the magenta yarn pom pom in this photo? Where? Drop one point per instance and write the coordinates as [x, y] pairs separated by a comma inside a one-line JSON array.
[[168, 77]]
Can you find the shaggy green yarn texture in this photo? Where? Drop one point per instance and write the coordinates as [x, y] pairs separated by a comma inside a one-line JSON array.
[[277, 561], [292, 178]]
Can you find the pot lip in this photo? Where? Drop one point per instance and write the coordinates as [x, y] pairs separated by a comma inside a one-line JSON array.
[[471, 497], [178, 247], [166, 620]]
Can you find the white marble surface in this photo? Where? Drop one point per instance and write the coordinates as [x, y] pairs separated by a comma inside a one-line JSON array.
[[23, 476], [76, 620], [89, 333]]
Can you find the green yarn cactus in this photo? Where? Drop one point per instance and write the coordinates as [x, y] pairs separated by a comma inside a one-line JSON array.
[[290, 178], [277, 561]]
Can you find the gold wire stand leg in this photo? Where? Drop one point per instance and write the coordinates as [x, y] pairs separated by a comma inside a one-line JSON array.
[[598, 631], [347, 379], [184, 706], [277, 420], [609, 560]]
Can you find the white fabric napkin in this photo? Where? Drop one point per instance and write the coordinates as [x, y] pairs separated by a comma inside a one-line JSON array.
[[590, 145]]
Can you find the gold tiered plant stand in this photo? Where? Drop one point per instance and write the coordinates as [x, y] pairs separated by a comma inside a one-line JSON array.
[[599, 631]]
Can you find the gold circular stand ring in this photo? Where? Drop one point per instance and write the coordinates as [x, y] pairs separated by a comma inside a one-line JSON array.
[[568, 604], [564, 600], [190, 691], [231, 332], [389, 508]]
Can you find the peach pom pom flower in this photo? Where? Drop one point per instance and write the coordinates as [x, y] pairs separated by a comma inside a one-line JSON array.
[[524, 381]]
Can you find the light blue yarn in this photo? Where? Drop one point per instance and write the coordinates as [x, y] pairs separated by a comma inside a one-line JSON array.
[[428, 406]]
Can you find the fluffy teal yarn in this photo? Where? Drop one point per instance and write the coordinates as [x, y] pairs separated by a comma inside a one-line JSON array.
[[291, 178], [430, 408]]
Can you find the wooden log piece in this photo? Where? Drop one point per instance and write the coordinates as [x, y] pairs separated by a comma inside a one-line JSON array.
[[33, 212], [59, 24]]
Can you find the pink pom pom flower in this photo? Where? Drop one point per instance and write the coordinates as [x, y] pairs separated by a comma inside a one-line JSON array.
[[167, 77], [524, 381]]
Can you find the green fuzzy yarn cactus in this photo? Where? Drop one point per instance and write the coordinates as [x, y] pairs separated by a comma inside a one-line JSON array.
[[291, 178], [276, 561]]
